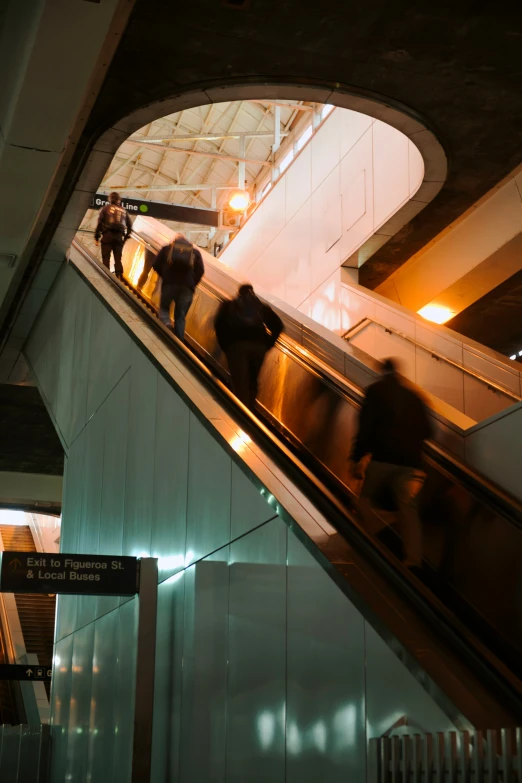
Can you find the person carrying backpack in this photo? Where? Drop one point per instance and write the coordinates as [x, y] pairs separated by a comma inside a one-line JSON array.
[[246, 329], [114, 227], [181, 268]]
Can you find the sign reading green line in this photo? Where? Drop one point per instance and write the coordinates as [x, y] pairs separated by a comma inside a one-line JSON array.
[[163, 211]]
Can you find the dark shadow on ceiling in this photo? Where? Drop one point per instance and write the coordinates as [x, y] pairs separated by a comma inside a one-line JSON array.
[[495, 320], [29, 441]]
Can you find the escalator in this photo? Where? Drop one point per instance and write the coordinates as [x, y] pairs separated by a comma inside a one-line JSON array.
[[36, 612], [465, 610]]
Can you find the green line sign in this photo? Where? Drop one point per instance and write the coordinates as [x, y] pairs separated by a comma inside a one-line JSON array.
[[162, 210]]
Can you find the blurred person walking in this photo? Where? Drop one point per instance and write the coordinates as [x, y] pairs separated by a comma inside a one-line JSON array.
[[393, 425], [246, 329]]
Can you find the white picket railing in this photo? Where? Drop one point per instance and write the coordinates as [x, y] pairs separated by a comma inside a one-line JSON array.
[[450, 757]]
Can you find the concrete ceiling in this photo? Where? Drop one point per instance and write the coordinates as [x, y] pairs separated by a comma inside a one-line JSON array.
[[53, 58], [495, 320], [29, 441]]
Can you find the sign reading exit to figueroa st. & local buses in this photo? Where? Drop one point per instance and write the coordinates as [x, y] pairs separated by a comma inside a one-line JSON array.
[[39, 572]]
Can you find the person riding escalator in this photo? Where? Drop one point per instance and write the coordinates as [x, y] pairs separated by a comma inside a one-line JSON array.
[[113, 228], [246, 329], [393, 425], [180, 266]]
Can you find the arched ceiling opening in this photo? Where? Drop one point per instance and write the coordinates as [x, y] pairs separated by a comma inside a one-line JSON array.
[[191, 156], [95, 154]]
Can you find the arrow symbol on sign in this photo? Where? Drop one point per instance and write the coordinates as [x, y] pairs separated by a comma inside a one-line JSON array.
[[29, 672], [15, 564]]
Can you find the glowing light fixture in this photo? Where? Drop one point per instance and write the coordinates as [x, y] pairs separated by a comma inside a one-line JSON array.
[[239, 200], [436, 313]]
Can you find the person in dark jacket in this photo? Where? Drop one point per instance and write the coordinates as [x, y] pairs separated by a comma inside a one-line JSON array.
[[180, 266], [246, 329], [393, 425], [114, 227]]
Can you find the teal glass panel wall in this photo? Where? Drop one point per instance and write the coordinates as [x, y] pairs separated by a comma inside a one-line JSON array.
[[265, 670]]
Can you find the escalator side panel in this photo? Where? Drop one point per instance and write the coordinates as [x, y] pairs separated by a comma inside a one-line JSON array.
[[472, 550]]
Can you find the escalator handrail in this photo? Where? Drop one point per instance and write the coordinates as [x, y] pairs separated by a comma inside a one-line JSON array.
[[490, 493], [434, 612]]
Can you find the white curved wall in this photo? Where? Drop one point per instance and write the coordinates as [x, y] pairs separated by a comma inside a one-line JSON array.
[[347, 182]]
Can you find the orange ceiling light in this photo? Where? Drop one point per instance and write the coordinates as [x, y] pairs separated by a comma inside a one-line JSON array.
[[438, 314], [239, 201]]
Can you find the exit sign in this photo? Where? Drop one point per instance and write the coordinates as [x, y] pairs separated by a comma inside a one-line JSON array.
[[40, 572]]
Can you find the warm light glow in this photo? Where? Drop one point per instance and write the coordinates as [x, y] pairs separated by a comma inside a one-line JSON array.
[[239, 201], [436, 313], [137, 266], [239, 442]]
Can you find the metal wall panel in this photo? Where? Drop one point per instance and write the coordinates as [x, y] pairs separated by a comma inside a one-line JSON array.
[[204, 689], [123, 690], [249, 508], [391, 693], [64, 399], [9, 753], [80, 365], [256, 684], [101, 724], [165, 744], [90, 520], [139, 488], [171, 467], [80, 707], [114, 479], [209, 492], [325, 731], [109, 355], [43, 345], [32, 757], [61, 706]]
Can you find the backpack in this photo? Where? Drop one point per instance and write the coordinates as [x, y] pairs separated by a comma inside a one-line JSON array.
[[181, 254], [115, 218], [245, 313]]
